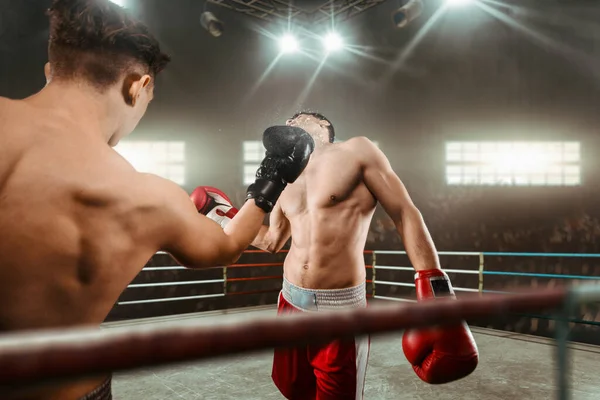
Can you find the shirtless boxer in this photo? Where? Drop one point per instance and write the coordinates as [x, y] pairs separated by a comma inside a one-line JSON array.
[[77, 222], [327, 213]]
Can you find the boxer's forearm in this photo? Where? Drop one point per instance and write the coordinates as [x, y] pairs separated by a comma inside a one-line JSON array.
[[417, 240], [244, 228], [260, 240]]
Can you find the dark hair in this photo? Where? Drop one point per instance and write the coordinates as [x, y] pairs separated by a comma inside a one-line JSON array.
[[97, 40], [320, 117]]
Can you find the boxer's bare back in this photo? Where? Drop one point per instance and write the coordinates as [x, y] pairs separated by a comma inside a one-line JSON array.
[[328, 211], [78, 223], [70, 209]]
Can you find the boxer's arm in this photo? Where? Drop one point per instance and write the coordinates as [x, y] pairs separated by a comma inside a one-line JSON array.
[[389, 190], [273, 237], [196, 241]]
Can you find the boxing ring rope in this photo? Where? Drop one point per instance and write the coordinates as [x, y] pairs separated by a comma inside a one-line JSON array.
[[46, 356], [481, 272], [40, 356], [225, 280]]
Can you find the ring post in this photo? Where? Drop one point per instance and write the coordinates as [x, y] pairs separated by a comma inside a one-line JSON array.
[[225, 281], [481, 267], [373, 262]]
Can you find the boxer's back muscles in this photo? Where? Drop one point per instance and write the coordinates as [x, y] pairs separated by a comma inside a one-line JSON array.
[[78, 223], [69, 222], [329, 209]]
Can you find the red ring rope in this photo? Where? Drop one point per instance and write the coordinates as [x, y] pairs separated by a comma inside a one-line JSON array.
[[254, 278], [279, 264], [44, 356], [255, 292]]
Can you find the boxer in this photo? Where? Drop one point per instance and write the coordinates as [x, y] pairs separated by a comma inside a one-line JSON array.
[[77, 222], [327, 213]]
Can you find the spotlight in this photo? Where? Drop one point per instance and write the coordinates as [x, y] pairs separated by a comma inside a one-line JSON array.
[[410, 11], [333, 42], [458, 2], [211, 24], [288, 44], [118, 2]]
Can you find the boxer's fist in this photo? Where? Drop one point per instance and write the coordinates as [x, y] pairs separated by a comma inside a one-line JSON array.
[[288, 151], [214, 204], [290, 148], [442, 354]]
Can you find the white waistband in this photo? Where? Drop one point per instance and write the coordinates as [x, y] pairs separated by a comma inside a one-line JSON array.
[[320, 299]]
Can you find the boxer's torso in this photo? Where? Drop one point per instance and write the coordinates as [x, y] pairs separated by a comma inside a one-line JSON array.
[[71, 223], [330, 210]]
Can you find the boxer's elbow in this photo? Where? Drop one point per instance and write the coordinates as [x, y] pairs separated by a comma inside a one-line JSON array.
[[220, 260], [214, 255], [408, 217], [410, 211], [230, 253]]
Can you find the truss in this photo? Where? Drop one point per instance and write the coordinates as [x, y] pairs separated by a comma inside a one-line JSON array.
[[280, 10]]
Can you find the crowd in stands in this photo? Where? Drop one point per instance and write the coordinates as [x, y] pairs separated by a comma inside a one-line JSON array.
[[475, 219]]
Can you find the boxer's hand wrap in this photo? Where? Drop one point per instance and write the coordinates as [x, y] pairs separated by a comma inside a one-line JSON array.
[[214, 204], [288, 151], [441, 354]]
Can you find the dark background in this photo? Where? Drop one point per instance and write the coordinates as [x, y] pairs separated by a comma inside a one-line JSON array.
[[472, 77]]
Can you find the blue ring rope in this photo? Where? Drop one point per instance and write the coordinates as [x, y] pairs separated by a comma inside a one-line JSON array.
[[579, 255], [533, 274]]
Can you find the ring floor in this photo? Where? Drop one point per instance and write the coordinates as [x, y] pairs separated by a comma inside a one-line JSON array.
[[512, 366]]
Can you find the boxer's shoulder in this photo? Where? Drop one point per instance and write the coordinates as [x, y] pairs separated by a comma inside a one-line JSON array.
[[18, 116], [163, 195], [359, 147], [5, 102], [7, 108], [359, 143]]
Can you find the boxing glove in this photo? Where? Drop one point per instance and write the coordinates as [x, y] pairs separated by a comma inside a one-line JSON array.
[[214, 204], [288, 151], [441, 354]]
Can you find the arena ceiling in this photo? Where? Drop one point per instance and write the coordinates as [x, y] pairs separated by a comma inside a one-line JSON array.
[[310, 12]]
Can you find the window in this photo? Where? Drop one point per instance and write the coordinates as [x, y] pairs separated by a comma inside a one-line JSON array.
[[254, 152], [513, 163], [162, 158]]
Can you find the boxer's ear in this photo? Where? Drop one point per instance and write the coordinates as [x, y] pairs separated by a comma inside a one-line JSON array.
[[324, 122], [48, 72], [133, 85]]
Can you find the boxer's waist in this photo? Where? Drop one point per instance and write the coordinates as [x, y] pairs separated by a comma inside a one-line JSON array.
[[324, 299]]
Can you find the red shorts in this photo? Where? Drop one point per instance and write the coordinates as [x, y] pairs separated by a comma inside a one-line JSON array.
[[335, 370]]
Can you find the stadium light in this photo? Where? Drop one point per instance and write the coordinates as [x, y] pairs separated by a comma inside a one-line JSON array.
[[211, 24], [406, 14], [288, 44], [333, 42]]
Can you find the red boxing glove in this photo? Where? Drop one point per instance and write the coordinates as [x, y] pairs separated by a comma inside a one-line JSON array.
[[214, 204], [441, 354]]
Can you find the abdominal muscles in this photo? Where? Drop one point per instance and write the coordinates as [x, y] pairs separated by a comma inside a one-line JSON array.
[[327, 249]]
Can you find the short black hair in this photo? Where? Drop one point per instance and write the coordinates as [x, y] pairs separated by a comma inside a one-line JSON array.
[[98, 40], [320, 117]]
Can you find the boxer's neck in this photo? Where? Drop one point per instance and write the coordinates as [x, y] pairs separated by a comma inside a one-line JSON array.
[[320, 141], [96, 112]]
